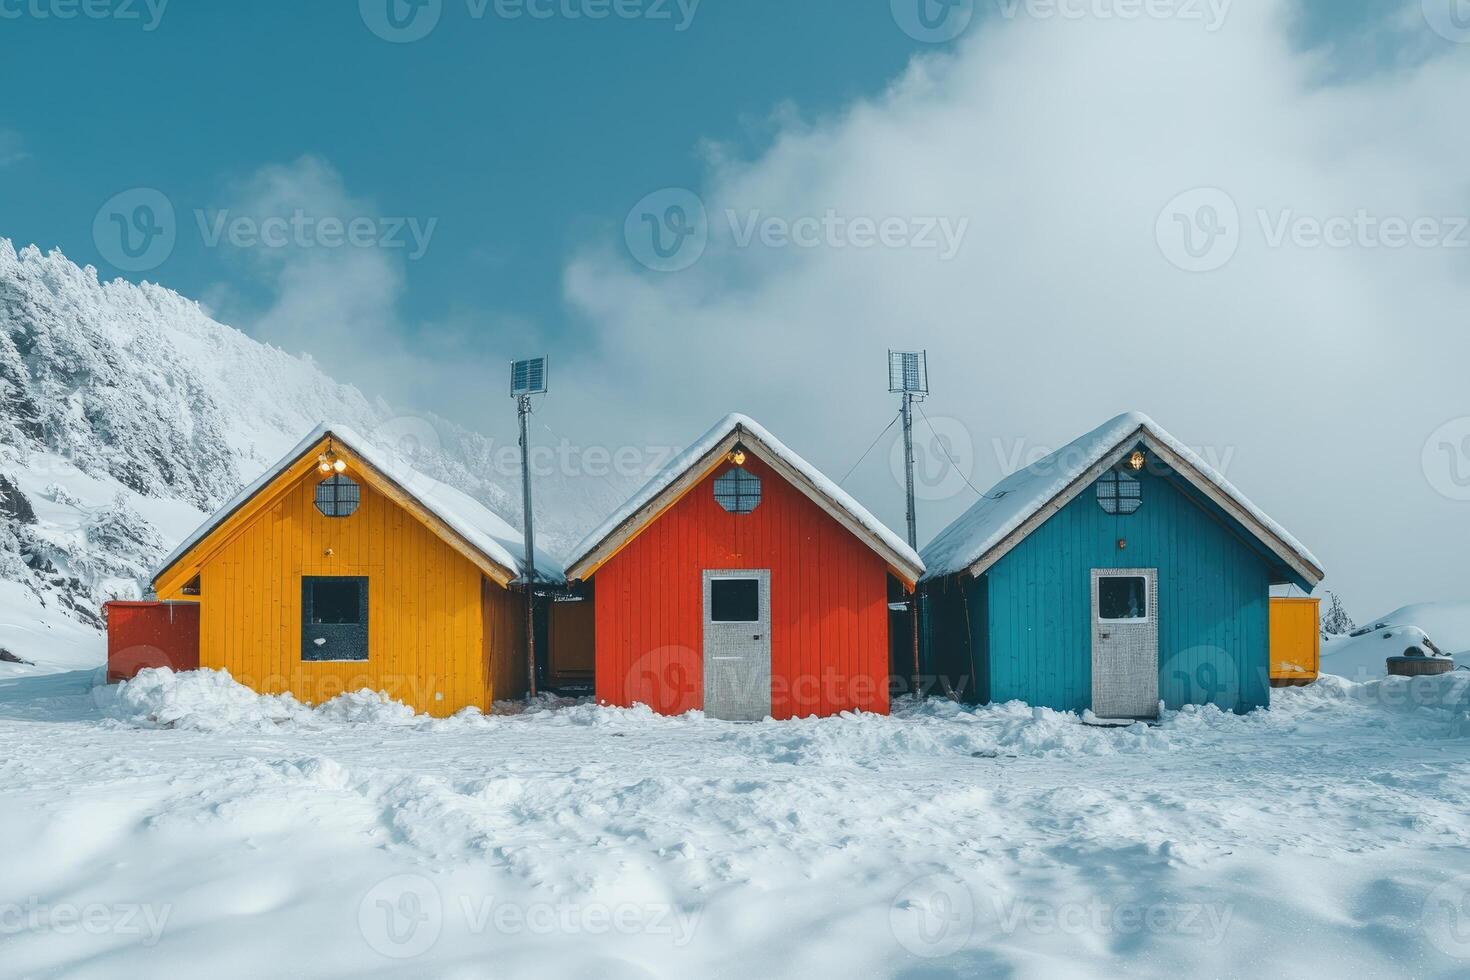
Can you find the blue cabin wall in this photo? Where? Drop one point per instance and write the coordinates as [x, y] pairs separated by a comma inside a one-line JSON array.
[[1035, 604]]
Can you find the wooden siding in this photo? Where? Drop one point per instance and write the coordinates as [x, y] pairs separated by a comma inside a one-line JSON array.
[[829, 611], [504, 625], [571, 647], [1214, 592], [426, 628]]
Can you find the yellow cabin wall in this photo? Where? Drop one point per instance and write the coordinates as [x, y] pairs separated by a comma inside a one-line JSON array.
[[435, 624], [505, 641], [1296, 640]]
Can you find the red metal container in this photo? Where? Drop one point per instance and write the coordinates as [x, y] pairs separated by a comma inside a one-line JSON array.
[[151, 634]]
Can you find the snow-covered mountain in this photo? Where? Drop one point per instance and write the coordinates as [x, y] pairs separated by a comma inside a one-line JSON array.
[[127, 414]]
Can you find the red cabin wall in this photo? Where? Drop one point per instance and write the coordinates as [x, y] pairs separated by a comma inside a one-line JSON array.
[[829, 605], [151, 634]]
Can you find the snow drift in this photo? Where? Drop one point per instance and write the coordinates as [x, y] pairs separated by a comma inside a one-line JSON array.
[[212, 701], [1445, 625], [263, 832]]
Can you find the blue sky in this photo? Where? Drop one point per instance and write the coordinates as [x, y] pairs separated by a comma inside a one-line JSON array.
[[523, 138], [1052, 149]]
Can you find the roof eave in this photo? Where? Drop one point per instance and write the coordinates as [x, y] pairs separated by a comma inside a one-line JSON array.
[[599, 553], [1297, 564], [492, 568]]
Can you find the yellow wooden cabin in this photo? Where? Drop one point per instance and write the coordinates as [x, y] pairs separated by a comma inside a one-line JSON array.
[[342, 568]]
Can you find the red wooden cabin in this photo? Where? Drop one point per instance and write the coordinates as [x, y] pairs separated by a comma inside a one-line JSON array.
[[742, 582]]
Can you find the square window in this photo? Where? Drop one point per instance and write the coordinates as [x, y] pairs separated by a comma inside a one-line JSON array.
[[335, 601], [1122, 599], [334, 619], [734, 600], [1119, 493]]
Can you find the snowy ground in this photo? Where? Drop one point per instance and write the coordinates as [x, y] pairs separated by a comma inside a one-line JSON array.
[[251, 836]]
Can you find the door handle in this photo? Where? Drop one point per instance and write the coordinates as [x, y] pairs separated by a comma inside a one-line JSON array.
[[756, 637], [1107, 636]]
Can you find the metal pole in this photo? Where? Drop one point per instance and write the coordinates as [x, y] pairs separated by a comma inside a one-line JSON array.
[[908, 466], [529, 576], [914, 638], [908, 472]]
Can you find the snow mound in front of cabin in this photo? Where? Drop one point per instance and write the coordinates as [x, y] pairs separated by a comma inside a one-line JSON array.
[[1416, 708], [213, 701]]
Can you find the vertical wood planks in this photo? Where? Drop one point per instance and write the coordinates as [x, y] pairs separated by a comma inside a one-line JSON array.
[[829, 632]]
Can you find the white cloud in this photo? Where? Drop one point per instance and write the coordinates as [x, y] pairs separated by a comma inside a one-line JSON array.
[[12, 147], [1317, 372], [308, 287]]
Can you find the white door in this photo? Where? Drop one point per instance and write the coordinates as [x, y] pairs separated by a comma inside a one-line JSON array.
[[737, 645], [1125, 642]]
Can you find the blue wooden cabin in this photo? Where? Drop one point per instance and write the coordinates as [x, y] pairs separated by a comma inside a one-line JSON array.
[[1116, 573]]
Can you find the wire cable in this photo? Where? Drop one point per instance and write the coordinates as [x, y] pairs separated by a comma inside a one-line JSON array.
[[891, 423], [945, 448], [622, 489]]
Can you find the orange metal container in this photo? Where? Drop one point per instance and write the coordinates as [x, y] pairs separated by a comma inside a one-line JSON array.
[[1296, 641], [151, 634]]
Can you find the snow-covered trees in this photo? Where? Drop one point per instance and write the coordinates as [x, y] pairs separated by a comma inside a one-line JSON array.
[[112, 387], [1336, 621]]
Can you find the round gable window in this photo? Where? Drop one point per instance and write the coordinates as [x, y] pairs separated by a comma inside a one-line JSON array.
[[1119, 492], [738, 490], [337, 497]]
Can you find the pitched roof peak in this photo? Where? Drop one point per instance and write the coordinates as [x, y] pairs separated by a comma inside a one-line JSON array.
[[1002, 516], [638, 509]]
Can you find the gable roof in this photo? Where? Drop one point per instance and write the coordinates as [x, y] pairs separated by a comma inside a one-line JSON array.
[[464, 523], [1021, 502], [707, 453]]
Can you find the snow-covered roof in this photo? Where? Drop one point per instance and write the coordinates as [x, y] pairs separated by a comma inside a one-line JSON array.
[[1000, 519], [757, 439], [479, 527]]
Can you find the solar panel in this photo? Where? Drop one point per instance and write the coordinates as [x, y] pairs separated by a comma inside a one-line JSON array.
[[908, 372], [528, 377]]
